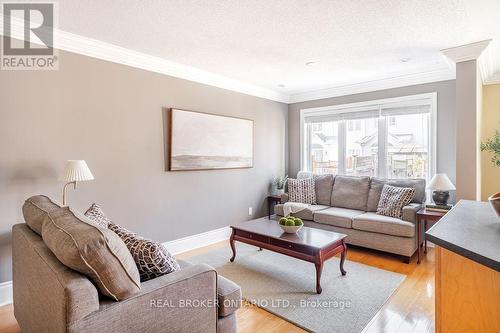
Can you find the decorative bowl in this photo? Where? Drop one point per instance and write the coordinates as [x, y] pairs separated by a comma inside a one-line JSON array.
[[291, 229], [495, 203]]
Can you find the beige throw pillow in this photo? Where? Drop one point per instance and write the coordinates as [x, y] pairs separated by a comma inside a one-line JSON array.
[[35, 210], [302, 190], [95, 252], [393, 199]]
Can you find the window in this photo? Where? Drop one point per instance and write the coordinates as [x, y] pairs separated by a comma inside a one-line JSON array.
[[407, 146], [317, 127], [386, 138], [323, 147], [361, 147]]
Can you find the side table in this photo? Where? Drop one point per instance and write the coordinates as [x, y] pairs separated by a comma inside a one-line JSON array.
[[426, 219], [272, 200]]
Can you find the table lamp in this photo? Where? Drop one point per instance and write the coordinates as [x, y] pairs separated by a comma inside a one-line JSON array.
[[75, 171], [440, 184]]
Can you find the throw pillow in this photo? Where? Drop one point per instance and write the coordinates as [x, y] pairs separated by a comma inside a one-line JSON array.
[[152, 258], [35, 210], [302, 190], [393, 199], [95, 252], [96, 214]]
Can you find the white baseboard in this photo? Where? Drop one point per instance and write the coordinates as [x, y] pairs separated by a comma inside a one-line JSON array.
[[5, 293], [196, 241], [175, 247]]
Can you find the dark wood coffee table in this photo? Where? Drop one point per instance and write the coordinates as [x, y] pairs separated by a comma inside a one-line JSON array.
[[309, 244]]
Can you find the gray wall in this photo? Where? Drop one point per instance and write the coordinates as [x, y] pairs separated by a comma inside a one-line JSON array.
[[446, 122], [111, 116]]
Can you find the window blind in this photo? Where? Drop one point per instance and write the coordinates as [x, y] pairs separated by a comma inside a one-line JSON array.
[[372, 111], [397, 111], [349, 115]]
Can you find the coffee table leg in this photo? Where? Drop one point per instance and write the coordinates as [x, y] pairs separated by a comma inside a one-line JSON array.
[[319, 268], [233, 248], [342, 258]]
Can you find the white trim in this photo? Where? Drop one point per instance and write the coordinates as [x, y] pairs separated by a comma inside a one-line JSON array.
[[97, 49], [389, 83], [106, 51], [486, 65], [495, 79], [342, 108], [466, 52], [199, 240], [479, 51], [5, 293]]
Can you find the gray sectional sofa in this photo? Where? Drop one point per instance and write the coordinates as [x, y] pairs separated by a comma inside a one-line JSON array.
[[348, 205]]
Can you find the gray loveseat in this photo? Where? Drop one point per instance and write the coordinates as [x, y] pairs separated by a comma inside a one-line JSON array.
[[52, 298], [348, 205]]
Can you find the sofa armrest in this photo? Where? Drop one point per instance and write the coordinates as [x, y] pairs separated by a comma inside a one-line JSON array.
[[182, 301], [410, 212], [47, 294], [284, 198]]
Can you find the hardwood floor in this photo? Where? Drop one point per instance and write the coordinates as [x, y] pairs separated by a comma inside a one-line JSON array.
[[410, 309]]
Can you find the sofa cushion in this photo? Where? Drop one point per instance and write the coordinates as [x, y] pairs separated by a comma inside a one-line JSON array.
[[151, 258], [95, 252], [350, 192], [228, 296], [376, 185], [96, 214], [393, 199], [35, 210], [302, 190], [323, 185], [383, 225], [340, 217], [306, 214]]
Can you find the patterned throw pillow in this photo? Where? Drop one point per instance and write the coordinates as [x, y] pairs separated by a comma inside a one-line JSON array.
[[97, 216], [302, 190], [152, 258], [393, 199]]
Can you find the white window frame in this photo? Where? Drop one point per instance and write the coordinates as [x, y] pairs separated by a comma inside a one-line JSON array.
[[343, 108]]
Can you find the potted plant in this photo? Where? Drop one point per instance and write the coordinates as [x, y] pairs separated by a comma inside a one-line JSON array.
[[492, 145], [279, 185]]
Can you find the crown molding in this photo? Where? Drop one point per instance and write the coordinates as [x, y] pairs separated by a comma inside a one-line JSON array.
[[74, 43], [466, 52], [479, 51], [109, 52], [486, 64], [495, 79], [388, 83]]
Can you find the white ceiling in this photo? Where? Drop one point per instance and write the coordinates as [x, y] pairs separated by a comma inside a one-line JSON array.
[[267, 43]]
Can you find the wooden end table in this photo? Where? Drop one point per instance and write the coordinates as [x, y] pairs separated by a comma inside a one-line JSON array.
[[272, 200], [426, 218], [309, 244]]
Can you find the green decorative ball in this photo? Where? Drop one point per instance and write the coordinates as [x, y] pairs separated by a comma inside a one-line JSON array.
[[283, 220], [290, 223], [298, 222]]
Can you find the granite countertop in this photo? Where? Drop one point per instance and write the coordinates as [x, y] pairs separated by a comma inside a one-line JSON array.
[[470, 229]]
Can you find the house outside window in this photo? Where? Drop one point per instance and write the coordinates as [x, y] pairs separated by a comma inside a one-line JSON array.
[[390, 138]]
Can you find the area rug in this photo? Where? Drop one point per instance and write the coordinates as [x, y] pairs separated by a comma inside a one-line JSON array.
[[286, 286]]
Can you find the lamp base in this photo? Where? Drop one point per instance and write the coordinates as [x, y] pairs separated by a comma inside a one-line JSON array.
[[440, 197]]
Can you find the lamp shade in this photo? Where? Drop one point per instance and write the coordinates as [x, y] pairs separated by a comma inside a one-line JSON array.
[[76, 170], [440, 182]]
